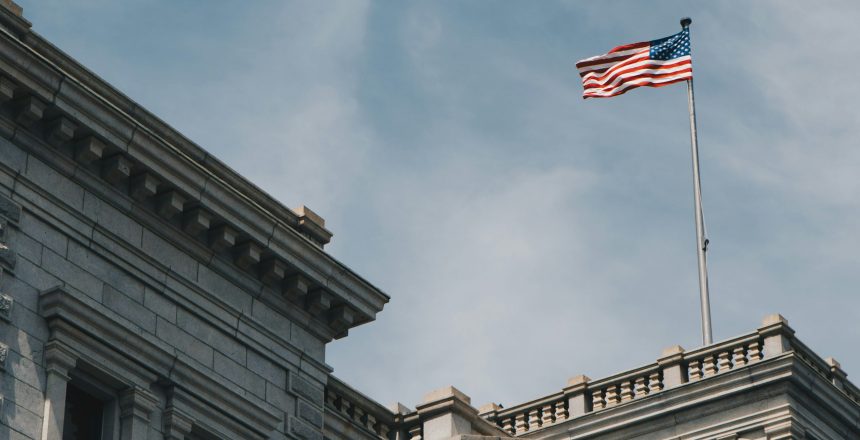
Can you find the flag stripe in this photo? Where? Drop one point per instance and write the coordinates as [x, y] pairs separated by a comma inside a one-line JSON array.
[[611, 78], [654, 74], [638, 83], [605, 66], [654, 63], [632, 61], [608, 58]]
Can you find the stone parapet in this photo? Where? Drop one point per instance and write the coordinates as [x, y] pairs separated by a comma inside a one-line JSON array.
[[678, 380], [357, 413], [675, 368]]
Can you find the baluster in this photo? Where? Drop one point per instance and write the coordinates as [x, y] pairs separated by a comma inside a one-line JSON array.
[[641, 387], [370, 422], [382, 430], [345, 407], [521, 425], [695, 370], [358, 414], [755, 351], [508, 425], [331, 399], [534, 419], [597, 400], [611, 395], [415, 433], [560, 411], [739, 358], [709, 366], [626, 391], [724, 362], [546, 418], [655, 385]]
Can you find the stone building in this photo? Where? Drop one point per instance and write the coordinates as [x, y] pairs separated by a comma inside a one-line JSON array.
[[147, 291]]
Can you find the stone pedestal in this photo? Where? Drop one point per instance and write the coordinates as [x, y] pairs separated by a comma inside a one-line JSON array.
[[671, 363]]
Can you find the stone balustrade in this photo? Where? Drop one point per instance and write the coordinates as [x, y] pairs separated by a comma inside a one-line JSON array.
[[448, 411], [722, 357], [674, 368], [360, 410]]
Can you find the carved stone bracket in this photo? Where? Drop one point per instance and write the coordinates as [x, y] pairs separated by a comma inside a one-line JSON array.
[[9, 212], [4, 353], [6, 303]]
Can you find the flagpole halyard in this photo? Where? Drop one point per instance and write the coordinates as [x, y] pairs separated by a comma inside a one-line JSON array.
[[701, 241]]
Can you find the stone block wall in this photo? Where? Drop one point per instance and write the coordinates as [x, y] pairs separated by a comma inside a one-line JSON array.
[[66, 244]]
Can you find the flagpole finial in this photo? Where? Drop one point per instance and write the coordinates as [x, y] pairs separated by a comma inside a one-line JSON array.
[[685, 22]]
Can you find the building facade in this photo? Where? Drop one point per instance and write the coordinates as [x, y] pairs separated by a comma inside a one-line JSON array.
[[148, 291]]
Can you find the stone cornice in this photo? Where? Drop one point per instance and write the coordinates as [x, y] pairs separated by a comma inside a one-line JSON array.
[[55, 100], [143, 266]]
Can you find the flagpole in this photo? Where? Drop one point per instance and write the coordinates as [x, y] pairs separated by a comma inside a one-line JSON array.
[[701, 241]]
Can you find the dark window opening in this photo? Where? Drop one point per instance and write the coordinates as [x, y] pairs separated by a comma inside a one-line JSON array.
[[84, 415]]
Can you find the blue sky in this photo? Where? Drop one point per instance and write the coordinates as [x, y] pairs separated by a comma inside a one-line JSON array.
[[525, 235]]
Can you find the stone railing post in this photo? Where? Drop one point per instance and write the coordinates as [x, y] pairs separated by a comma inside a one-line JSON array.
[[671, 362], [445, 413], [837, 375], [776, 334], [577, 402], [58, 361], [489, 412]]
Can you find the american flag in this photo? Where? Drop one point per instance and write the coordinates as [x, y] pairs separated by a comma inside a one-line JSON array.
[[651, 63]]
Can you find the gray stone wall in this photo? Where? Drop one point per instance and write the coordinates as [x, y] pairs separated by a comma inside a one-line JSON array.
[[60, 234]]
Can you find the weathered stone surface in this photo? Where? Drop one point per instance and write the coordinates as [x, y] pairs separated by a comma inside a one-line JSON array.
[[102, 268], [310, 413], [142, 186], [303, 430], [273, 271], [56, 184], [267, 369], [9, 209], [184, 342], [248, 254], [169, 204], [89, 149], [29, 109], [240, 375], [129, 309], [211, 336], [6, 303], [196, 221], [116, 169], [158, 304], [60, 131], [7, 89], [169, 255], [304, 388], [318, 301], [222, 237], [44, 234]]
